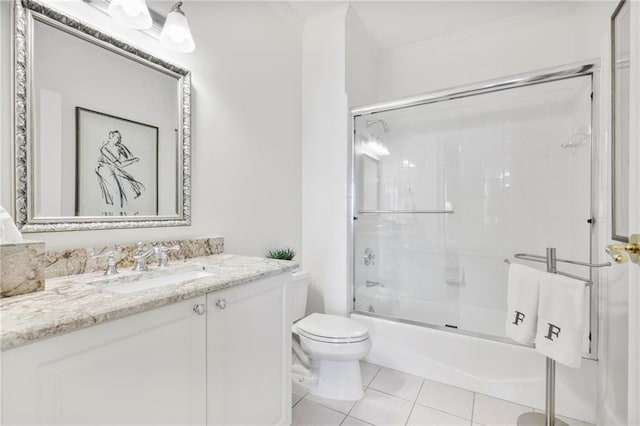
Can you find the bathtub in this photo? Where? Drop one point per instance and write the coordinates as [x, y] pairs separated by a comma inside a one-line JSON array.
[[471, 318], [497, 368]]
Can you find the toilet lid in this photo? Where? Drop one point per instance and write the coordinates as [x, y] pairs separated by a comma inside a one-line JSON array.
[[332, 327]]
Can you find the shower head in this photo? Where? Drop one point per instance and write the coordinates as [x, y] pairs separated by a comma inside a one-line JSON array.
[[384, 124], [372, 142]]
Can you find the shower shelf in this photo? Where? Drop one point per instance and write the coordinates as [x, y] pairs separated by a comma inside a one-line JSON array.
[[405, 212]]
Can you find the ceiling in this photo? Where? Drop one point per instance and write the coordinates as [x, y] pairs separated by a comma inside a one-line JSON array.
[[397, 23]]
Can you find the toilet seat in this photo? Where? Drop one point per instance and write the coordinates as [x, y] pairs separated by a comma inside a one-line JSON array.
[[332, 329]]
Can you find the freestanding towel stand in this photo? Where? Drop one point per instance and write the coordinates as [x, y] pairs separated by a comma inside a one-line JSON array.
[[548, 417]]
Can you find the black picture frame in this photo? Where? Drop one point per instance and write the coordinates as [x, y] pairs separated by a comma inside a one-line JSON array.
[[116, 165]]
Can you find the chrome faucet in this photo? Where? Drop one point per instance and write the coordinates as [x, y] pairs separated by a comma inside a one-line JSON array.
[[111, 261], [140, 258], [161, 254], [369, 257]]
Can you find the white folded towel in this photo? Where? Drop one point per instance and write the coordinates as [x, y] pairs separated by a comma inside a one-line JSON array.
[[8, 231], [522, 303], [561, 319]]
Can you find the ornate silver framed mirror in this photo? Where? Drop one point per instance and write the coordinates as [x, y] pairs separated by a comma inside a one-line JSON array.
[[102, 128]]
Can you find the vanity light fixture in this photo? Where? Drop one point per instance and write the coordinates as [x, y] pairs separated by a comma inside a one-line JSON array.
[[131, 13], [176, 34]]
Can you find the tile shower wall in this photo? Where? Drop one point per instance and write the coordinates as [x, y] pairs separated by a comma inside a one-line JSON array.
[[514, 169]]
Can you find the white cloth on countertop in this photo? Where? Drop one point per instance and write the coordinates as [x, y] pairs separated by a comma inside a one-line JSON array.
[[8, 231]]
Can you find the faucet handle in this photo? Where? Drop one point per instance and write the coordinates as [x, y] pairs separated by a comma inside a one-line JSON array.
[[141, 260], [139, 249], [111, 261], [161, 253]]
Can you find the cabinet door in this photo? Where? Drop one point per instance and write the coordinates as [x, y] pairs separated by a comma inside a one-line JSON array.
[[249, 354], [147, 369]]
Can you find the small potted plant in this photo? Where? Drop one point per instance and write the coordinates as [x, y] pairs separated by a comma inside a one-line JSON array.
[[282, 254]]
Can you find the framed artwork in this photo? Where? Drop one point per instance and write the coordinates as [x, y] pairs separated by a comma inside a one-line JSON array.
[[116, 166], [620, 124]]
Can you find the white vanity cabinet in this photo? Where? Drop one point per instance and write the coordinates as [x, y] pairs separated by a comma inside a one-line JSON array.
[[249, 354], [220, 359], [146, 369]]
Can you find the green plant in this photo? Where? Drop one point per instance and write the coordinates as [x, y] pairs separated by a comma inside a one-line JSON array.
[[282, 254]]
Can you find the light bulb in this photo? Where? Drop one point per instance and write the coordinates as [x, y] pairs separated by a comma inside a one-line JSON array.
[[131, 13], [176, 34]]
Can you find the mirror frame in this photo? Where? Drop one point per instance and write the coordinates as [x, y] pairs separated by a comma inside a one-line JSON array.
[[24, 14]]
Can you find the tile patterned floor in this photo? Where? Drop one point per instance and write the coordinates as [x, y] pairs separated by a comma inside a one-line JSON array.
[[395, 398]]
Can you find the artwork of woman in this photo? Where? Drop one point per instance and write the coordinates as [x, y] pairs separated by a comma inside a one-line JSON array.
[[113, 179]]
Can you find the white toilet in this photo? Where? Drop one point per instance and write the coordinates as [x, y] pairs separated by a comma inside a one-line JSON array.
[[327, 349]]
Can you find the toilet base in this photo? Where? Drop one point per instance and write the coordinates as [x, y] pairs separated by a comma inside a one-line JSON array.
[[338, 380]]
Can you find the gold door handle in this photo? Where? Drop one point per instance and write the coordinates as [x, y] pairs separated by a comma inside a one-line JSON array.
[[620, 253]]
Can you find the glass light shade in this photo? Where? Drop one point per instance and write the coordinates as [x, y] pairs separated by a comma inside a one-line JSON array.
[[131, 13], [176, 34]]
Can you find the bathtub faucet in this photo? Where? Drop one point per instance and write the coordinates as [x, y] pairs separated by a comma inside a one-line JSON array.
[[373, 284]]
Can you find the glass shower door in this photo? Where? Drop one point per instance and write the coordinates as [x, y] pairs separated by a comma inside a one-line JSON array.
[[446, 191]]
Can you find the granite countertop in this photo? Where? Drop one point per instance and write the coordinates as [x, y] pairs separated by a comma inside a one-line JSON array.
[[70, 303]]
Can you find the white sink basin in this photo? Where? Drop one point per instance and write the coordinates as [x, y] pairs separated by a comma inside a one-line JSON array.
[[132, 286]]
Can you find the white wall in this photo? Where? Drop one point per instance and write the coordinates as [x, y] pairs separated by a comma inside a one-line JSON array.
[[324, 161], [559, 33], [361, 62], [245, 126], [339, 71]]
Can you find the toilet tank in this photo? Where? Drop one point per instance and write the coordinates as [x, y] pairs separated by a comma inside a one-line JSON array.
[[299, 288]]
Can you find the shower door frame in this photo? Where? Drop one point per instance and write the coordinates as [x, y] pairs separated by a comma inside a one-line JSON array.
[[580, 69]]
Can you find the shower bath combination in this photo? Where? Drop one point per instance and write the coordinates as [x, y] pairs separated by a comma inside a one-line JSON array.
[[472, 175]]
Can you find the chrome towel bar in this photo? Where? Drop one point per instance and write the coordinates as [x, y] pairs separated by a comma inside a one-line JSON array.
[[405, 212], [548, 417], [545, 260]]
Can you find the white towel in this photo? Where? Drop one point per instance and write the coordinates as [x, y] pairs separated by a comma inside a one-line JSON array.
[[522, 303], [8, 231], [561, 319]]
